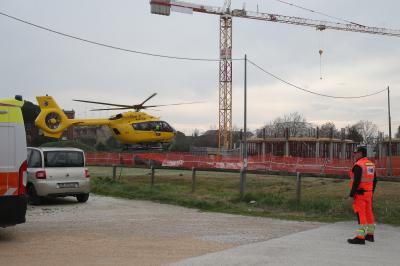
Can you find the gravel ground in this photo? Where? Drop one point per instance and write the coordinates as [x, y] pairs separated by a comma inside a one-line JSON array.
[[106, 231]]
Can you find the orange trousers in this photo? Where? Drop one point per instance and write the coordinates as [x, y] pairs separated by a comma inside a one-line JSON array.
[[362, 205]]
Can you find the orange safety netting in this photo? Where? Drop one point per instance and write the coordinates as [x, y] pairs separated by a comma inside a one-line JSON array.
[[260, 163]]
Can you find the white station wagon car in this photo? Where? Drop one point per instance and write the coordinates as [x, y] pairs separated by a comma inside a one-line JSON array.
[[57, 172]]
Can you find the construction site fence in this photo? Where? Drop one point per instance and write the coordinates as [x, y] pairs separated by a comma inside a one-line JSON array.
[[268, 163]]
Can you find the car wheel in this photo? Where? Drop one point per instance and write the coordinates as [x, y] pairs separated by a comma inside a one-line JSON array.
[[33, 197], [82, 197]]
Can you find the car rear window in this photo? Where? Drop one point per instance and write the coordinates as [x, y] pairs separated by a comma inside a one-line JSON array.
[[34, 159], [63, 159]]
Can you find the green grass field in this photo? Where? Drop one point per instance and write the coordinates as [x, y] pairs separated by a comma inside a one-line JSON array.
[[322, 199]]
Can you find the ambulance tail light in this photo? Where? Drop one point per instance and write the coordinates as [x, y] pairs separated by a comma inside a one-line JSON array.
[[22, 178], [41, 174]]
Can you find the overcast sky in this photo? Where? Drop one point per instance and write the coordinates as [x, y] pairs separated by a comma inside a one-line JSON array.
[[35, 62]]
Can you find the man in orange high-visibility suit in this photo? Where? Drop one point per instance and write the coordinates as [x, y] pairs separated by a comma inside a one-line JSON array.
[[362, 183]]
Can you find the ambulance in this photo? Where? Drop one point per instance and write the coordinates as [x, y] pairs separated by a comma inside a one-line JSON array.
[[13, 163]]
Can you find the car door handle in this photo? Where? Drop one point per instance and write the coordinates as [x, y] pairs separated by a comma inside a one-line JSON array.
[[67, 175]]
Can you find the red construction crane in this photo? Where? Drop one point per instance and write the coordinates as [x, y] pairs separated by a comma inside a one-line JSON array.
[[164, 7]]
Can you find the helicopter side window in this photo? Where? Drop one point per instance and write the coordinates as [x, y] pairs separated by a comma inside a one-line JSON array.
[[151, 126], [165, 127], [144, 126], [158, 126], [138, 126]]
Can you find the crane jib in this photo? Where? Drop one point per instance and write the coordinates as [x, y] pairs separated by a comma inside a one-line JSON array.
[[164, 7]]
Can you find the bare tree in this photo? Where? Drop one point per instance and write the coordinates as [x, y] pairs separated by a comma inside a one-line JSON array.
[[368, 131], [268, 130], [295, 122], [352, 132], [196, 133], [328, 130]]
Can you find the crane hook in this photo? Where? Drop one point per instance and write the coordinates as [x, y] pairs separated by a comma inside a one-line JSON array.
[[320, 63]]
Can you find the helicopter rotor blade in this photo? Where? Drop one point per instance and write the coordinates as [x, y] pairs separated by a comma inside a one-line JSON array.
[[151, 106], [106, 109], [151, 96], [110, 104], [136, 107]]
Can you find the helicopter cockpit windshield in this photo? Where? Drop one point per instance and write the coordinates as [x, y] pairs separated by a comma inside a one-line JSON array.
[[160, 126]]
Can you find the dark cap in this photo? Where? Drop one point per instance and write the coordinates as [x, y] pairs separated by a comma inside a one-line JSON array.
[[362, 149]]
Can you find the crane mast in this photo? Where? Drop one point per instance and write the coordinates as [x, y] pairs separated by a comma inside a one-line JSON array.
[[225, 83], [164, 7]]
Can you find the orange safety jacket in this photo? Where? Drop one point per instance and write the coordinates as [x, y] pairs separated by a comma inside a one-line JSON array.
[[368, 174]]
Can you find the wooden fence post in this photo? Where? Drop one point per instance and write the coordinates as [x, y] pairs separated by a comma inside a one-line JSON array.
[[152, 176], [193, 179], [114, 172], [298, 188], [242, 182]]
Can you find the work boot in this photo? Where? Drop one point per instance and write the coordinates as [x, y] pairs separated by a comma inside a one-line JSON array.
[[370, 238], [356, 240]]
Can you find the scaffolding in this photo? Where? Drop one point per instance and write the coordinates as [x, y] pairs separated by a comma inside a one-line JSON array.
[[304, 147]]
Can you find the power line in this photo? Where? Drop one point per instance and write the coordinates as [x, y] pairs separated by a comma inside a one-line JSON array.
[[317, 12], [312, 92], [108, 45], [178, 57]]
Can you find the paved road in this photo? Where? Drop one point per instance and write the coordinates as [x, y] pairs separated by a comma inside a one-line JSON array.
[[110, 231], [320, 246]]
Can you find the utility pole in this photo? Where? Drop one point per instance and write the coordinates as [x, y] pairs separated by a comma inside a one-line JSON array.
[[390, 134], [244, 167], [245, 113]]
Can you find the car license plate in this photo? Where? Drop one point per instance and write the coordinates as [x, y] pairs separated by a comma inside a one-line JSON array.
[[68, 185]]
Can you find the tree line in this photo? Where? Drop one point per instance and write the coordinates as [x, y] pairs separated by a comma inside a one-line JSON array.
[[363, 131]]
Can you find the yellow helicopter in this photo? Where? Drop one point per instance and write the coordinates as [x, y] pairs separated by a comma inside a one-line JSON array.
[[132, 127]]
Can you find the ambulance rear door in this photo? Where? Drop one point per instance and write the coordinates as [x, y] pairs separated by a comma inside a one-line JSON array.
[[5, 158]]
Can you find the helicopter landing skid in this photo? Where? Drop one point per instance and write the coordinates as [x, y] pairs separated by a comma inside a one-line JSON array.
[[147, 147]]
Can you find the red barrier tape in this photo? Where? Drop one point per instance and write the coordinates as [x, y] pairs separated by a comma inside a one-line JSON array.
[[260, 163]]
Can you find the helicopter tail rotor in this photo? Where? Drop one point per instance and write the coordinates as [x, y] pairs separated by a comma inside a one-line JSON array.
[[52, 120]]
